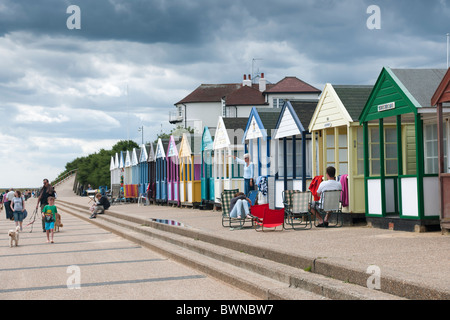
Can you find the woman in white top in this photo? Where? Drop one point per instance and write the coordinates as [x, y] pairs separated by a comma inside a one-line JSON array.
[[249, 173], [18, 208]]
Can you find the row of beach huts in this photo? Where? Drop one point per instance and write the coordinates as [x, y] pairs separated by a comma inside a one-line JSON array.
[[388, 142]]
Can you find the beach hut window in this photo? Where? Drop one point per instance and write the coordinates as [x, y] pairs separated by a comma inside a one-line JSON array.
[[430, 146], [390, 151], [290, 158], [390, 146], [330, 150], [410, 146], [360, 151], [343, 152], [374, 156], [237, 169]]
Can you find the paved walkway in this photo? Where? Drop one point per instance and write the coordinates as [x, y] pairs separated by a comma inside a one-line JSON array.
[[417, 258], [104, 265]]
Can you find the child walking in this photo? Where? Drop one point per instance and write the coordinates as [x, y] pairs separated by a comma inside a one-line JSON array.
[[49, 216]]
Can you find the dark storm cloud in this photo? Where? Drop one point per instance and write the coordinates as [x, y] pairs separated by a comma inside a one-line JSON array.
[[65, 91], [322, 29]]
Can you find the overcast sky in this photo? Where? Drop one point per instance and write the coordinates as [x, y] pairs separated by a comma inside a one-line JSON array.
[[63, 92]]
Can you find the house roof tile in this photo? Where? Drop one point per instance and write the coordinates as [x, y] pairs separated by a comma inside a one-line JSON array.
[[210, 93], [245, 96], [292, 84]]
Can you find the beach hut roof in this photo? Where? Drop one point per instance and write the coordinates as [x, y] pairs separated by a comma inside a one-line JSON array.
[[121, 160], [421, 83], [185, 147], [260, 123], [207, 140], [222, 137], [135, 155], [294, 117], [151, 153], [160, 153], [442, 93], [112, 165], [340, 104], [144, 154], [128, 159], [401, 91], [172, 150], [353, 97]]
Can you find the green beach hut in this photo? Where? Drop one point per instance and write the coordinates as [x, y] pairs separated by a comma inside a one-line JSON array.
[[401, 188]]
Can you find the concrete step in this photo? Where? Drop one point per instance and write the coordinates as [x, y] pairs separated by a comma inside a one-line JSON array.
[[259, 286], [213, 256]]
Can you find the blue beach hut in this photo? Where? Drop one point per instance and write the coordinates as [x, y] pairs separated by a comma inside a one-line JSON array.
[[260, 145], [292, 164], [206, 172], [161, 173], [143, 169]]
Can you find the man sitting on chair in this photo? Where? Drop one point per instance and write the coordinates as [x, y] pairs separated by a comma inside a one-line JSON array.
[[330, 185]]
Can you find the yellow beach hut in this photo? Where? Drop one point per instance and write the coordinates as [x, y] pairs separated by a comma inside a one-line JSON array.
[[340, 142], [190, 165]]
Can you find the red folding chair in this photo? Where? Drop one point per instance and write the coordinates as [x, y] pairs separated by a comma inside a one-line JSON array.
[[271, 219], [257, 212]]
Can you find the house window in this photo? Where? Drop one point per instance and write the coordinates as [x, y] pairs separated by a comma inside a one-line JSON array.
[[278, 103], [223, 108]]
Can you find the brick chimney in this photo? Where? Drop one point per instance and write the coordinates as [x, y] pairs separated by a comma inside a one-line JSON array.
[[247, 82], [262, 83]]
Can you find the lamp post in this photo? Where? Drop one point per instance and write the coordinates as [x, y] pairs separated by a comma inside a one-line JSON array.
[[448, 37], [141, 129]]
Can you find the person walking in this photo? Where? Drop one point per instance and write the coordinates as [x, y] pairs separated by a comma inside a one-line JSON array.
[[45, 192], [9, 197], [18, 208], [49, 217]]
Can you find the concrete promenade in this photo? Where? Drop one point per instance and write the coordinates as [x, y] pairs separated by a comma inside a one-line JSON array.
[[417, 262], [86, 262]]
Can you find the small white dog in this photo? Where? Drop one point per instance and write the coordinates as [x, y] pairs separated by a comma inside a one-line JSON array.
[[14, 236]]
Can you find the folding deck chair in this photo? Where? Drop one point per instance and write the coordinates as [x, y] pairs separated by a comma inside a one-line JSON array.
[[225, 201], [296, 208], [271, 219], [226, 197], [329, 203]]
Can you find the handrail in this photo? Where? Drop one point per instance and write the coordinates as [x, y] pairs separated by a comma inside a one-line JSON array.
[[64, 177]]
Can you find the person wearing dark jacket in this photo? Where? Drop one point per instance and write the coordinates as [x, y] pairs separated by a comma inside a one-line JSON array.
[[46, 191], [101, 204]]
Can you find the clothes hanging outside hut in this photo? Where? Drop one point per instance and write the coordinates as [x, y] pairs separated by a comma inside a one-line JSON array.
[[344, 193], [314, 186]]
